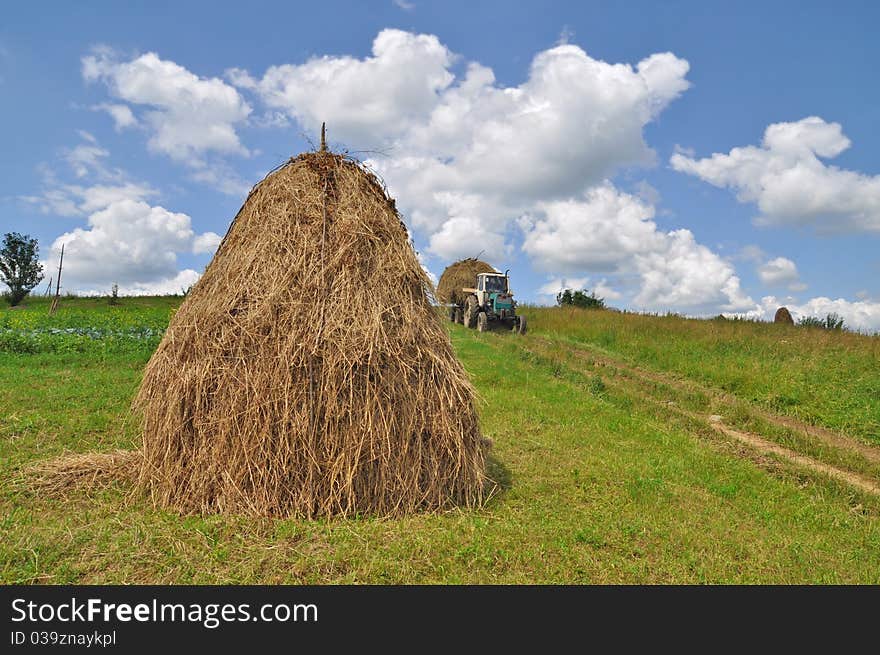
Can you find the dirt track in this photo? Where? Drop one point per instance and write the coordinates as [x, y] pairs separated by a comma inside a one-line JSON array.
[[765, 446], [637, 383]]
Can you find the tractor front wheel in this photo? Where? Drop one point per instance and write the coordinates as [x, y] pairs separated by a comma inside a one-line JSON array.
[[452, 314], [482, 322], [459, 316], [520, 325], [470, 312]]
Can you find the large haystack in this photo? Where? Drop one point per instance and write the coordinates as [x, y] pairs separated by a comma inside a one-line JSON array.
[[783, 316], [460, 275], [306, 373]]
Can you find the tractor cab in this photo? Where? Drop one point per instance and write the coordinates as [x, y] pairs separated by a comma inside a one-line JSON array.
[[493, 293], [492, 282]]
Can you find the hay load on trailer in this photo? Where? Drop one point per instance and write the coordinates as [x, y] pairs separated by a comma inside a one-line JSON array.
[[457, 277], [306, 373]]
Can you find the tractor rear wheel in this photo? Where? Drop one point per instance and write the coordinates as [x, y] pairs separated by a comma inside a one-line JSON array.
[[459, 316], [470, 312], [482, 322], [452, 314]]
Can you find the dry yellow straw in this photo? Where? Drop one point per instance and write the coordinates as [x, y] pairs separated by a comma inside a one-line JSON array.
[[306, 373]]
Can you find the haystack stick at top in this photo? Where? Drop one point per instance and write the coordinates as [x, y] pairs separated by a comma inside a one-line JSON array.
[[306, 373]]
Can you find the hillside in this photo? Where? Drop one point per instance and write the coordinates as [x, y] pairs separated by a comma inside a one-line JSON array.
[[627, 449]]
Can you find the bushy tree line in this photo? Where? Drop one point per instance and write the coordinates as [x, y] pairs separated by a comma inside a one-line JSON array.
[[580, 299]]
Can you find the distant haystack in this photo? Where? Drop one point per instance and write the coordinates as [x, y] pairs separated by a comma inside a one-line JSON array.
[[306, 373], [460, 275], [783, 316]]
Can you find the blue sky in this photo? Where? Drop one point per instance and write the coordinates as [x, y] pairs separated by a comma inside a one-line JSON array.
[[572, 142]]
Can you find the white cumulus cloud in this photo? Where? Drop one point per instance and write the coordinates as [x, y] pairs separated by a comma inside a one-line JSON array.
[[688, 275], [206, 242], [465, 236], [572, 123], [127, 242], [599, 231], [362, 100], [781, 271], [188, 115], [607, 230], [787, 179]]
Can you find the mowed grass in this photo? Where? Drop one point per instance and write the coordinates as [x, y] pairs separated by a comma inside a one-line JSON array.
[[822, 377], [594, 489]]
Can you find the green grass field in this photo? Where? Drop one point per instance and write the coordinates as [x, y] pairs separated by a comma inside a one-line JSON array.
[[609, 471]]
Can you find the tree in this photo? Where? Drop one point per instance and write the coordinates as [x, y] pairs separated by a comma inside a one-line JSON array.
[[587, 300], [563, 298], [580, 299], [20, 267]]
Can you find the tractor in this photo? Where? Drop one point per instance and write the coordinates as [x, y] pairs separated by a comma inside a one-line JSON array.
[[489, 303]]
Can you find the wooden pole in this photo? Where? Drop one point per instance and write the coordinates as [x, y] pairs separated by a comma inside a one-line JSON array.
[[323, 137], [54, 306], [60, 264]]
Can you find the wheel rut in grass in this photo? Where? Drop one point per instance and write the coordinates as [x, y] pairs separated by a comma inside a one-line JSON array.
[[638, 380], [765, 446], [830, 437]]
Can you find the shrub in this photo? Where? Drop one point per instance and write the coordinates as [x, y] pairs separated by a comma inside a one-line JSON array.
[[580, 299], [832, 321]]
